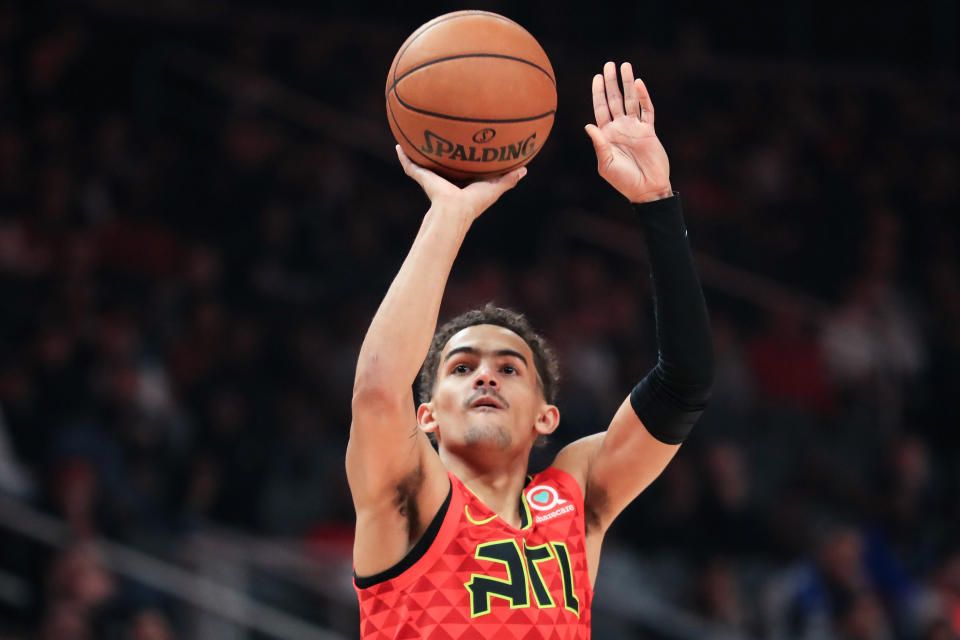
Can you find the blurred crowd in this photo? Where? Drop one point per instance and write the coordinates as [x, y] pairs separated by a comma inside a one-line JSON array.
[[186, 273]]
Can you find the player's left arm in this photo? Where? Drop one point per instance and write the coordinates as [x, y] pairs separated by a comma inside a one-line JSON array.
[[615, 466]]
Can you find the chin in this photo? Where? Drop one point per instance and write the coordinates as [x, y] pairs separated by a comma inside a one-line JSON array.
[[488, 434]]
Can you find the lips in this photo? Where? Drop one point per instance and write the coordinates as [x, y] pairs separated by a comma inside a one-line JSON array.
[[486, 401]]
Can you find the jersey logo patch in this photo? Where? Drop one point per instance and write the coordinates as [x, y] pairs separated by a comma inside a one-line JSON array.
[[543, 497]]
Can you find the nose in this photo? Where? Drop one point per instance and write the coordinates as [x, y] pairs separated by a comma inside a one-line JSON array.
[[485, 378]]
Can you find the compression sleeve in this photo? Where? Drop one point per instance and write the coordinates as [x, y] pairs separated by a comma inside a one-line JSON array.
[[671, 397]]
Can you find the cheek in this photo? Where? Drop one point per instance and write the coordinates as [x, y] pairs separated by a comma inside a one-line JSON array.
[[523, 399], [447, 395]]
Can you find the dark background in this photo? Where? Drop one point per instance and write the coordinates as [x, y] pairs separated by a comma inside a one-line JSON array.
[[200, 209]]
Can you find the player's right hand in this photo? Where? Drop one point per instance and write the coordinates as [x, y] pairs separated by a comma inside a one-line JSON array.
[[471, 200]]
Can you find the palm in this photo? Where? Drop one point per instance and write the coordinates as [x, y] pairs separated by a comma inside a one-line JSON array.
[[629, 154], [637, 162], [472, 199]]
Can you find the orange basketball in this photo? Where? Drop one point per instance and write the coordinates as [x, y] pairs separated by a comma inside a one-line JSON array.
[[471, 94]]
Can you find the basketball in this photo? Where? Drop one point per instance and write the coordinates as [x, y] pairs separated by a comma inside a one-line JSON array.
[[471, 94]]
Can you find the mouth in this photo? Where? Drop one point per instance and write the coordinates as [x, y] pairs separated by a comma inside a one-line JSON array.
[[486, 402]]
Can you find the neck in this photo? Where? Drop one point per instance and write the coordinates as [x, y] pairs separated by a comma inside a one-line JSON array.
[[498, 486]]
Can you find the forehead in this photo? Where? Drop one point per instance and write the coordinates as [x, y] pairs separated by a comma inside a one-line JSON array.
[[488, 337]]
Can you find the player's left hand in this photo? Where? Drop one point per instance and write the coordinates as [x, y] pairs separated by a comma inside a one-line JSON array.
[[629, 154]]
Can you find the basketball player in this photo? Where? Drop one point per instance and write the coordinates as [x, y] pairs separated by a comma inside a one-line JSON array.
[[459, 542]]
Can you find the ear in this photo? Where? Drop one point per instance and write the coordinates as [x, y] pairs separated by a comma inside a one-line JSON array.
[[547, 420], [427, 419]]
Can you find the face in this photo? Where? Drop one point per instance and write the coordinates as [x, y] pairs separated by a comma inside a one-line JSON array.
[[487, 394]]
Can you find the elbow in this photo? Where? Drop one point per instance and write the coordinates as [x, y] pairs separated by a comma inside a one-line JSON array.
[[373, 395], [692, 393], [377, 377], [370, 383], [367, 395], [379, 389], [698, 386], [691, 384], [699, 394]]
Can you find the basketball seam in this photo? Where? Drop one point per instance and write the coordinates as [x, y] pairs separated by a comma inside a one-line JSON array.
[[463, 14], [440, 164], [464, 119], [459, 56]]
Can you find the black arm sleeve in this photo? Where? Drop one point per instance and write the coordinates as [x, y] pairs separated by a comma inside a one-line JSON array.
[[671, 397]]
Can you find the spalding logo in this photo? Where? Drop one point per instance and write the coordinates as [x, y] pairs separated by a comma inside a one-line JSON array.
[[443, 148], [484, 136]]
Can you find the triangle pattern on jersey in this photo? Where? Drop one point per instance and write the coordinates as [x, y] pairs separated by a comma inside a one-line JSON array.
[[408, 632], [473, 634], [435, 604]]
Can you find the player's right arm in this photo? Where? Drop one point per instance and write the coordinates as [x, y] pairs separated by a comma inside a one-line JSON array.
[[396, 479]]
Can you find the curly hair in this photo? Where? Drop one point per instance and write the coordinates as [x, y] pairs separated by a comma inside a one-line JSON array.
[[544, 359]]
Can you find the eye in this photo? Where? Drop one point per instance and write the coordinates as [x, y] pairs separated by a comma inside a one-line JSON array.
[[461, 368], [509, 369]]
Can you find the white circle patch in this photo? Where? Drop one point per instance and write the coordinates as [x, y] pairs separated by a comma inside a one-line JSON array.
[[543, 497]]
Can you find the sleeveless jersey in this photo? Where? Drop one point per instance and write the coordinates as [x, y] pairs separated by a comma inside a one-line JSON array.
[[477, 577]]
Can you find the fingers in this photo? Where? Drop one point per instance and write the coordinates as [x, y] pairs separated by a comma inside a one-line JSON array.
[[614, 99], [596, 137], [408, 165], [601, 112], [483, 193], [609, 103], [420, 174], [504, 180], [508, 180], [512, 178], [630, 99], [646, 104], [600, 144]]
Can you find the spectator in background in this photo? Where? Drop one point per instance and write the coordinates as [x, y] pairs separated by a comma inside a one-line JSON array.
[[719, 597], [789, 370], [149, 624], [15, 478], [848, 590], [669, 516], [303, 471], [909, 504], [946, 582], [734, 392], [78, 590], [729, 519], [229, 460], [873, 342], [585, 348], [76, 497], [943, 378], [862, 617], [939, 630], [64, 620]]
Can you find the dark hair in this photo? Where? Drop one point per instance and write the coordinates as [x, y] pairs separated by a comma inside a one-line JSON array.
[[544, 359]]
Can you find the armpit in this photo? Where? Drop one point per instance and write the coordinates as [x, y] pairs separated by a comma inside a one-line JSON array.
[[595, 502], [405, 499]]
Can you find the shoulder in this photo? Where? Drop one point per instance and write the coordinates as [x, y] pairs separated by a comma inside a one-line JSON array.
[[554, 477], [575, 458], [553, 490]]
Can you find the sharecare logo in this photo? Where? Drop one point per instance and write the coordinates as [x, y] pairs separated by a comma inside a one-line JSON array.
[[553, 514], [543, 497]]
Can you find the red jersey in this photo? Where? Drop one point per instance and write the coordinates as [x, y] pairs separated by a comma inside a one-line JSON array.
[[473, 576]]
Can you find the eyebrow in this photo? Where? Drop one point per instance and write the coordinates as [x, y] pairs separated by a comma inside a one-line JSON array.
[[476, 352]]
